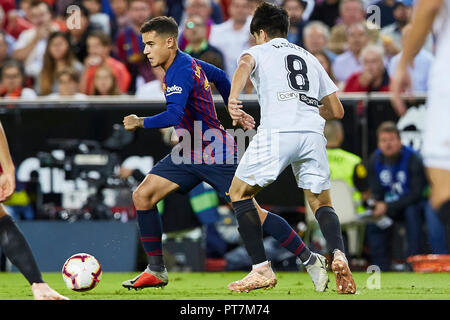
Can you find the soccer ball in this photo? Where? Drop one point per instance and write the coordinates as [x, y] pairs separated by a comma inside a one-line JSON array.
[[81, 272]]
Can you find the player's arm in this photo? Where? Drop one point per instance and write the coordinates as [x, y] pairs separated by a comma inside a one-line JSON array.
[[331, 108], [177, 94], [7, 178], [422, 22], [219, 78], [245, 67], [223, 85]]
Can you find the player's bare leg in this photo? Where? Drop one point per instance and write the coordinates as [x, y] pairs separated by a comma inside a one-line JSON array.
[[41, 290], [329, 224], [262, 275], [440, 196], [153, 189]]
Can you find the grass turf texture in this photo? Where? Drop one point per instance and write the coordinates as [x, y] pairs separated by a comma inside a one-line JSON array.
[[206, 286]]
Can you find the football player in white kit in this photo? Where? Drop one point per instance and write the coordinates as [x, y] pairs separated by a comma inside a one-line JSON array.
[[428, 15], [296, 96]]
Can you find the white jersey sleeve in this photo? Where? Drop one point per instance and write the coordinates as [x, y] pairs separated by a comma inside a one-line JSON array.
[[326, 85]]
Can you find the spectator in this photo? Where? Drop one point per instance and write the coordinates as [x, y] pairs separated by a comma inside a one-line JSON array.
[[421, 68], [373, 76], [233, 36], [105, 83], [159, 8], [12, 81], [31, 44], [99, 48], [130, 47], [254, 4], [4, 48], [351, 12], [68, 79], [198, 46], [295, 10], [120, 9], [391, 35], [345, 165], [11, 21], [326, 64], [315, 38], [386, 8], [202, 8], [78, 33], [348, 62], [56, 57], [96, 17], [327, 12], [397, 182]]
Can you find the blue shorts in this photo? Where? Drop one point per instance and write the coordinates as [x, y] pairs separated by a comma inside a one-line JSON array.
[[187, 176]]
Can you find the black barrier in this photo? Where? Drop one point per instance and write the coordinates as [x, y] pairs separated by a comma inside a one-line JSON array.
[[32, 126]]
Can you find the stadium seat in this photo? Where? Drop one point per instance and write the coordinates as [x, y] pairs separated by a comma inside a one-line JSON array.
[[345, 207]]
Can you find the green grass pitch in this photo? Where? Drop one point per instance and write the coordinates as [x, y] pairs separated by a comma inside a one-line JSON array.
[[206, 286]]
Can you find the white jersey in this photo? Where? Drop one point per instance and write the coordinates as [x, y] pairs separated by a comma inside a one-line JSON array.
[[290, 82], [441, 66], [436, 142]]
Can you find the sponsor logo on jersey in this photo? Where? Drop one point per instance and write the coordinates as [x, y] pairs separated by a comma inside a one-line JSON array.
[[289, 95], [173, 89]]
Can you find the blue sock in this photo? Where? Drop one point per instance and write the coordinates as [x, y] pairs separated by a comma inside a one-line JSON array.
[[278, 228], [150, 228]]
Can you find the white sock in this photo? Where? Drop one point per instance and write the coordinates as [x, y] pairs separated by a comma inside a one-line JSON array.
[[260, 265]]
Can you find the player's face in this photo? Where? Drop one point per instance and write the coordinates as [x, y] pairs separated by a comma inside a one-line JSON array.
[[389, 143], [157, 48]]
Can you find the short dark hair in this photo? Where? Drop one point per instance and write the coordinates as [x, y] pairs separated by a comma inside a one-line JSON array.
[[388, 126], [12, 63], [161, 25], [273, 19], [71, 72]]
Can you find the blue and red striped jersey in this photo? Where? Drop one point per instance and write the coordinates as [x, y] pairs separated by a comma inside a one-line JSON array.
[[191, 110]]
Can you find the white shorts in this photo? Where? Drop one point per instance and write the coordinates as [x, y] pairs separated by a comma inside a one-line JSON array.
[[268, 154], [436, 141]]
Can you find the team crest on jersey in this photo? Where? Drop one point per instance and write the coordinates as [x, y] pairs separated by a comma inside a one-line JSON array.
[[198, 71], [206, 84]]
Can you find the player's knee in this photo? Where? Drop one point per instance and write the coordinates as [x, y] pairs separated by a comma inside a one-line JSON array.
[[143, 200]]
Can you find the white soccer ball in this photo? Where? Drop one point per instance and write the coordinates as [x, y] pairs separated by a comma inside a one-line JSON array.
[[81, 272]]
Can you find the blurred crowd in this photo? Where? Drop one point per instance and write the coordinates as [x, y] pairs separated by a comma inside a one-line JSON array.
[[94, 47]]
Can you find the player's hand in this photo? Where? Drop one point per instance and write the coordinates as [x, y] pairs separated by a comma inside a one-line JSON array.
[[7, 185], [234, 108], [132, 122], [125, 173], [246, 121], [400, 82]]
